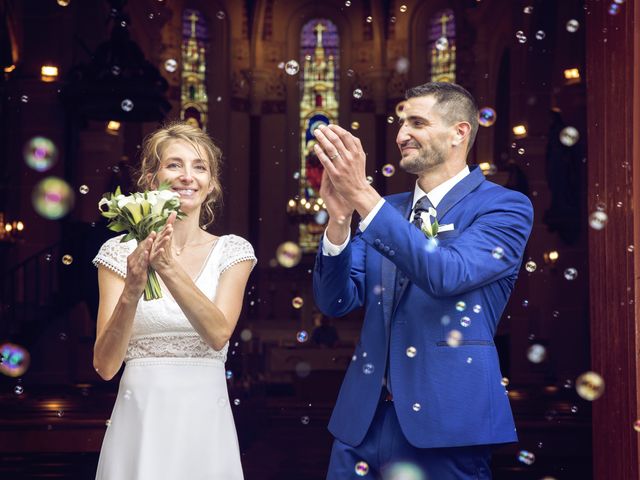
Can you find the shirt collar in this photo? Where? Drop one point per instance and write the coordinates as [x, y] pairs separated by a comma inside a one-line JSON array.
[[438, 193]]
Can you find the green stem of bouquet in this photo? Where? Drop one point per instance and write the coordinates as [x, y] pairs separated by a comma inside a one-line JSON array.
[[152, 290]]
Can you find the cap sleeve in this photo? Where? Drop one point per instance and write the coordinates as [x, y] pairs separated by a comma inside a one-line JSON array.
[[113, 255], [236, 249]]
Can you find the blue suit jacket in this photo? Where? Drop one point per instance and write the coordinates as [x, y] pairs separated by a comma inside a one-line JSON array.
[[444, 396]]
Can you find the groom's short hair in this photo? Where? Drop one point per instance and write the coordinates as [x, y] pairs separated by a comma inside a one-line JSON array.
[[454, 103]]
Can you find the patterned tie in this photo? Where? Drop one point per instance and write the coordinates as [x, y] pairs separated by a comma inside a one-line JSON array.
[[422, 205]]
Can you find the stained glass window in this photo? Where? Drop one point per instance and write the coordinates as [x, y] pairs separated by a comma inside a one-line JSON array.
[[195, 39], [320, 76], [442, 43]]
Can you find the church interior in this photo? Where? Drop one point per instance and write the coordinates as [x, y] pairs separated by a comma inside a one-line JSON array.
[[557, 83]]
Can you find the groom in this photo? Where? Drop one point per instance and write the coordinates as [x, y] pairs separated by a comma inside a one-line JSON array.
[[433, 269]]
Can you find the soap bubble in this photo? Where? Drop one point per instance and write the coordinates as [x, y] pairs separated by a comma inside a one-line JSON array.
[[292, 67], [454, 338], [403, 471], [598, 220], [536, 353], [487, 117], [126, 105], [288, 254], [573, 25], [246, 335], [52, 198], [570, 273], [590, 386], [322, 216], [362, 469], [526, 457], [402, 65], [40, 154], [368, 368], [442, 43], [569, 136], [302, 369], [388, 170], [15, 360], [171, 65]]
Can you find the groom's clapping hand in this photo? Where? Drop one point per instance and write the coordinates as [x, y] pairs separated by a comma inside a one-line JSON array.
[[343, 159], [344, 162]]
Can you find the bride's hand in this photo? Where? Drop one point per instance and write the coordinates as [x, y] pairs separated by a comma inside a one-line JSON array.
[[137, 267], [161, 256]]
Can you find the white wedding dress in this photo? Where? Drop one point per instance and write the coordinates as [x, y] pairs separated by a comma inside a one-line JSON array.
[[172, 418]]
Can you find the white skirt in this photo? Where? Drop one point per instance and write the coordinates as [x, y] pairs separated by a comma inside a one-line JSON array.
[[172, 419]]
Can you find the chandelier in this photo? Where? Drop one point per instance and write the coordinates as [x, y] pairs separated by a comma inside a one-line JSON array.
[[10, 231], [307, 210]]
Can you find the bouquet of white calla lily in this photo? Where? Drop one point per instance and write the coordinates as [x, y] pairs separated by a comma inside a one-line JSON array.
[[139, 214]]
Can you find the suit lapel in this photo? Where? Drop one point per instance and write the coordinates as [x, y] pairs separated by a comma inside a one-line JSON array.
[[460, 190], [388, 269]]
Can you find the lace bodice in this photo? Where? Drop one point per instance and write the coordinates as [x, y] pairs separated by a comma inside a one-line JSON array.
[[160, 328]]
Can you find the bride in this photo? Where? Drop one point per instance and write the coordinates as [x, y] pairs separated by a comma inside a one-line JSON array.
[[172, 417]]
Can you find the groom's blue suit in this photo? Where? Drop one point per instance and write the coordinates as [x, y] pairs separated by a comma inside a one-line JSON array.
[[444, 396]]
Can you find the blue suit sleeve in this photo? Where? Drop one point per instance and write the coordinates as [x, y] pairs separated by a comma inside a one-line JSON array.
[[338, 281], [468, 261]]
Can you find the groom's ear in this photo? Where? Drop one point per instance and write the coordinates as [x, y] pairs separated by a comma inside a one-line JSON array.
[[462, 131]]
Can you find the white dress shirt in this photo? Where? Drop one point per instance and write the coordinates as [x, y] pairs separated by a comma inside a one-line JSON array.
[[435, 196]]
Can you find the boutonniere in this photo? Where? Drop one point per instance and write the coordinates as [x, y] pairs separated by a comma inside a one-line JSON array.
[[430, 229]]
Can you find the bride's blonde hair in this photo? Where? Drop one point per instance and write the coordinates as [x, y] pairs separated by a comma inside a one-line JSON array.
[[156, 142]]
